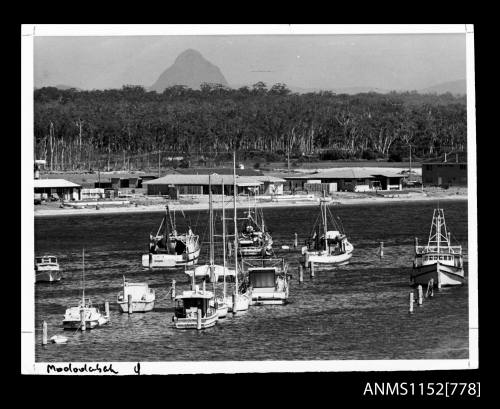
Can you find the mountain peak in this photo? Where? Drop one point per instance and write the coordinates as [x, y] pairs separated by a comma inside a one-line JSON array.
[[191, 69]]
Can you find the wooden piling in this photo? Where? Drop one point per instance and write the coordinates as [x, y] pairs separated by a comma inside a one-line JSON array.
[[173, 289], [234, 302], [106, 308], [411, 301], [44, 333], [295, 241], [130, 305], [381, 249], [420, 295], [431, 285], [312, 269], [198, 319], [301, 274], [83, 324]]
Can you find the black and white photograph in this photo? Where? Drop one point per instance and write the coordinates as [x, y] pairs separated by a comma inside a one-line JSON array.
[[248, 198]]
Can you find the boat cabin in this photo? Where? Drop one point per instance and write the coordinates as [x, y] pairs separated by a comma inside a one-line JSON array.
[[189, 302], [262, 278], [46, 260], [139, 291]]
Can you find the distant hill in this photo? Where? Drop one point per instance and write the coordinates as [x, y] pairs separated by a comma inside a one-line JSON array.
[[191, 69], [457, 87], [65, 87]]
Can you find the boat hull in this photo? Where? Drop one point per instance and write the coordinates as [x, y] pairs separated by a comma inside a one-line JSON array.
[[47, 276], [89, 324], [242, 303], [442, 274], [254, 251], [137, 306], [274, 298], [314, 257], [192, 323], [170, 260]]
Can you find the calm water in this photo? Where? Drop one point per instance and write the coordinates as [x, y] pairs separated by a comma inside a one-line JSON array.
[[359, 311]]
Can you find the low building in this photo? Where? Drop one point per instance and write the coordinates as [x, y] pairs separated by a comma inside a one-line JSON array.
[[57, 188], [447, 170], [178, 184]]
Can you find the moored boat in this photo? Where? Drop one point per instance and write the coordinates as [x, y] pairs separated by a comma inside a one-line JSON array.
[[255, 239], [193, 310], [142, 297], [171, 249], [269, 282], [438, 260], [47, 269], [329, 247]]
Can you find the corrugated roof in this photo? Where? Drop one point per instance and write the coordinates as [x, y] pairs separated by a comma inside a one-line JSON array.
[[203, 180], [450, 158], [348, 173], [48, 183], [219, 171]]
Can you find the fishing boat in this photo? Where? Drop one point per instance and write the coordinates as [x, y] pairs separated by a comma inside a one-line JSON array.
[[438, 260], [171, 249], [142, 297], [254, 238], [240, 299], [193, 309], [47, 269], [268, 280], [329, 247], [84, 312]]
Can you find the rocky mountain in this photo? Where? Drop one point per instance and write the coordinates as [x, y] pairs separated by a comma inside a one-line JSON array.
[[191, 69]]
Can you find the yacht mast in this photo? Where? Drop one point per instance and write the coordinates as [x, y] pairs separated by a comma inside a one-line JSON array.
[[83, 277], [223, 242], [324, 219], [211, 222], [235, 191]]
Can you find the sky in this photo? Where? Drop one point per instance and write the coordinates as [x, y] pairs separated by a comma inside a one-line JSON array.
[[384, 61]]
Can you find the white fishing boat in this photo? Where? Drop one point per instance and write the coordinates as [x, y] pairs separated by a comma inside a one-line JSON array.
[[142, 297], [171, 249], [193, 310], [47, 269], [240, 299], [268, 280], [84, 313], [329, 246], [254, 238], [438, 260]]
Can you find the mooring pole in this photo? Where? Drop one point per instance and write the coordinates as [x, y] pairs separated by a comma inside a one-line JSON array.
[[82, 320], [301, 274], [106, 309], [173, 289], [130, 305], [198, 319], [312, 269], [411, 302], [420, 295], [296, 241], [44, 333], [381, 249]]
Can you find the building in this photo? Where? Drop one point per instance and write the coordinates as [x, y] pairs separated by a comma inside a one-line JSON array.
[[346, 179], [57, 188], [178, 184], [448, 170]]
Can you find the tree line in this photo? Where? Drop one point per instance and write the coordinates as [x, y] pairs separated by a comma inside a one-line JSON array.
[[132, 127]]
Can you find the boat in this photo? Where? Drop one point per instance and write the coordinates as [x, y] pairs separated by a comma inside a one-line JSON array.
[[268, 280], [58, 339], [240, 299], [171, 249], [193, 309], [143, 297], [329, 247], [254, 238], [47, 269], [438, 260], [84, 311]]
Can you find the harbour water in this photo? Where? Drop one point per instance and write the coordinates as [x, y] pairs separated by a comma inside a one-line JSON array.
[[358, 311]]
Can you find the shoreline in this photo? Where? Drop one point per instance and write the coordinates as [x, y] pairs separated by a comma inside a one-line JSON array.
[[53, 212]]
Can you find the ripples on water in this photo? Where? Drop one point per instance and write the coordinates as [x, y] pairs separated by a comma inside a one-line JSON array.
[[359, 311]]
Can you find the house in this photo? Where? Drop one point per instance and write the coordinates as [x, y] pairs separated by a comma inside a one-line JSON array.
[[447, 170], [58, 188]]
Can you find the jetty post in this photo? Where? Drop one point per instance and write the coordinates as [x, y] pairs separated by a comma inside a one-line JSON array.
[[311, 266], [198, 319], [44, 333], [130, 305], [295, 241], [381, 249], [106, 309], [430, 288], [301, 273], [173, 289], [83, 325], [420, 295], [235, 296], [411, 302]]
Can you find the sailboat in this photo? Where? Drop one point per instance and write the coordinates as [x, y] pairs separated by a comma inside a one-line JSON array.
[[171, 249], [254, 239], [439, 260], [240, 300], [211, 271], [85, 311], [329, 247]]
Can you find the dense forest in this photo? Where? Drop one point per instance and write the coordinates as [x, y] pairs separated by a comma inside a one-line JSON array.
[[130, 128]]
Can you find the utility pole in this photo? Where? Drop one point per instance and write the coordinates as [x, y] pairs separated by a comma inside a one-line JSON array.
[[159, 174], [288, 155]]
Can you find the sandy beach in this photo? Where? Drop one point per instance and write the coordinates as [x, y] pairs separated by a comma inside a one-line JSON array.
[[341, 198]]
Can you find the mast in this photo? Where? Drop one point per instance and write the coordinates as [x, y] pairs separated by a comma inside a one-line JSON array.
[[167, 238], [325, 228], [211, 226], [235, 226], [83, 277], [223, 242], [438, 230]]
